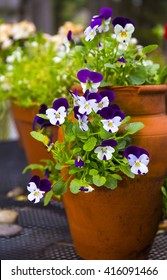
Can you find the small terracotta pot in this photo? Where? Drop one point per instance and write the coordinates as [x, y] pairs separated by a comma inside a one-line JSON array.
[[34, 150], [122, 223]]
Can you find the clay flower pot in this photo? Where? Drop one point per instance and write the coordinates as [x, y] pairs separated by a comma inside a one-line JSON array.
[[122, 223]]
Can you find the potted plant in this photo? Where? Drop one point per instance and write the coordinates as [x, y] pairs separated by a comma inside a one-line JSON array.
[[35, 67], [107, 163]]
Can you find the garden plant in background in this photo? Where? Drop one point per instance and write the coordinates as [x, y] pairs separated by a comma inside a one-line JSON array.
[[107, 163]]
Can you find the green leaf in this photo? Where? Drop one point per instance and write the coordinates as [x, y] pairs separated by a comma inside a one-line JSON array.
[[132, 128], [32, 167], [43, 116], [59, 188], [99, 180], [126, 170], [137, 76], [40, 137], [90, 144], [93, 172], [111, 182], [48, 197], [75, 185], [149, 49], [163, 75], [58, 166], [116, 176]]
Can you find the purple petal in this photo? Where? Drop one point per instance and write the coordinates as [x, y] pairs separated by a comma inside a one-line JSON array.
[[69, 35], [108, 93], [107, 113], [83, 75], [95, 77], [76, 112], [79, 163], [109, 142], [106, 12], [134, 150], [95, 96], [96, 22], [45, 185], [121, 21], [83, 189], [121, 60], [36, 180], [60, 102]]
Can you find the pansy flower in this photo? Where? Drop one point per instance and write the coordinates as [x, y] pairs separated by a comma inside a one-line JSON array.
[[105, 150], [87, 103], [90, 33], [123, 28], [105, 97], [89, 80], [112, 119], [75, 96], [138, 159], [58, 112], [37, 188], [82, 119], [79, 162], [86, 189], [121, 62], [102, 20]]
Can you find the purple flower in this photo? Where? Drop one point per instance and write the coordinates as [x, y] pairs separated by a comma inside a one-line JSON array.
[[69, 35], [40, 122], [58, 112], [90, 80], [79, 162], [105, 150], [123, 28], [138, 159], [102, 21], [82, 119], [121, 61], [37, 188], [112, 118]]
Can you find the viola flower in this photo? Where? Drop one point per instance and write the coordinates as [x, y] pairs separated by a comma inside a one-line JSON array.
[[90, 33], [58, 112], [105, 150], [102, 20], [112, 119], [86, 189], [106, 96], [121, 62], [86, 104], [75, 96], [38, 121], [37, 188], [79, 162], [123, 28], [89, 80], [138, 159]]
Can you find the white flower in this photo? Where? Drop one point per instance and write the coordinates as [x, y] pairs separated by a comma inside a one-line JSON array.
[[35, 193], [86, 106], [83, 120], [104, 152], [90, 33], [56, 117], [112, 125], [102, 104], [138, 165], [123, 35]]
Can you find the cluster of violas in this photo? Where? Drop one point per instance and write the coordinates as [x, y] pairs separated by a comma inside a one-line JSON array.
[[111, 118], [92, 101]]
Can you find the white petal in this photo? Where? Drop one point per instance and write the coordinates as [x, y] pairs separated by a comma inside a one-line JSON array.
[[144, 159], [117, 120], [31, 187], [129, 27], [50, 112], [132, 159], [118, 28], [142, 168]]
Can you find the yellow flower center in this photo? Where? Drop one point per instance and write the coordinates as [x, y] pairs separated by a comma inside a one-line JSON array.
[[100, 105], [36, 193], [110, 123], [123, 34], [57, 115], [104, 149], [137, 164], [87, 105]]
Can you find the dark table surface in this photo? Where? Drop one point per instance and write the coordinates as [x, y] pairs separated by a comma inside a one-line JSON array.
[[45, 232]]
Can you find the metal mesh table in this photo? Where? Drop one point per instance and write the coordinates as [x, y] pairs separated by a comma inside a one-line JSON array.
[[45, 232]]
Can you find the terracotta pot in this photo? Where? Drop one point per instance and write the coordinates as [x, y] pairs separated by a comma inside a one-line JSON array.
[[121, 224], [34, 150]]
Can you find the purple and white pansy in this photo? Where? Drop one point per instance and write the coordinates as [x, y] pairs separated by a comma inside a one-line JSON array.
[[105, 150], [82, 119], [112, 119], [102, 21], [79, 162], [89, 80], [123, 28], [103, 99], [86, 189], [40, 122], [58, 112], [38, 188], [138, 159]]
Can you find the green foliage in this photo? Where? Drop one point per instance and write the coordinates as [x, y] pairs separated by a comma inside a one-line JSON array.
[[164, 193]]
